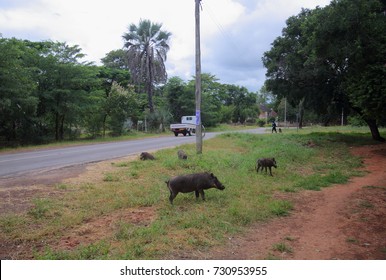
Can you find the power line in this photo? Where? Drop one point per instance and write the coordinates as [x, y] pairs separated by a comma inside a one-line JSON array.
[[220, 27]]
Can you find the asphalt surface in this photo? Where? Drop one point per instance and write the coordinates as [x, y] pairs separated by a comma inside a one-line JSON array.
[[14, 164]]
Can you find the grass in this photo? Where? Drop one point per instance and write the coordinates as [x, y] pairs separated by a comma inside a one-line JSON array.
[[282, 247], [189, 225], [40, 208], [352, 240]]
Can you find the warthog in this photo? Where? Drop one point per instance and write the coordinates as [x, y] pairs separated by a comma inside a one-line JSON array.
[[146, 156], [264, 163], [182, 155], [197, 182]]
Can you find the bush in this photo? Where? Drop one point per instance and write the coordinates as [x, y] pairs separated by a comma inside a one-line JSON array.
[[356, 121], [260, 122]]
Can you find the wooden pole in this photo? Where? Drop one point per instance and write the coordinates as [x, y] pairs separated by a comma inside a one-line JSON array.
[[285, 112], [198, 81]]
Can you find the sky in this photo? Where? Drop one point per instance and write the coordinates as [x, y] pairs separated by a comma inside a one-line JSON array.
[[234, 33]]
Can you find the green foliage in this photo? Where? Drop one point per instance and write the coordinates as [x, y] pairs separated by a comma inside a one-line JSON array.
[[118, 107], [261, 122], [220, 102], [18, 103], [280, 207], [356, 121], [115, 60], [180, 98], [57, 96], [65, 90], [158, 120], [40, 209], [328, 66]]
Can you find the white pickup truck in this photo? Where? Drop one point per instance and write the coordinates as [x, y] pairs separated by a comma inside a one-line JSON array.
[[186, 127]]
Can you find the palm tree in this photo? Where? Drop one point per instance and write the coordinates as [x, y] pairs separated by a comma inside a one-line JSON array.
[[146, 46]]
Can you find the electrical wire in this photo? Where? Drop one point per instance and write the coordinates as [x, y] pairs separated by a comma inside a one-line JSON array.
[[219, 26]]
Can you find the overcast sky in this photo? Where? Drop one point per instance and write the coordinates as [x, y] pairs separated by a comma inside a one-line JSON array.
[[234, 33]]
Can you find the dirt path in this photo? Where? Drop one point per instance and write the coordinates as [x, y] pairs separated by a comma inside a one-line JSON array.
[[341, 222]]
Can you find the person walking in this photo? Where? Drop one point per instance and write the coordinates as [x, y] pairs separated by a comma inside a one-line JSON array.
[[274, 127]]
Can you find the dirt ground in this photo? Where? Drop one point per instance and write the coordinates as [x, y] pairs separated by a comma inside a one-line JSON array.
[[340, 222]]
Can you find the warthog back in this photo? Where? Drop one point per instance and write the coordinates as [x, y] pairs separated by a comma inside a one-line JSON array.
[[265, 163], [182, 155], [146, 156], [197, 183]]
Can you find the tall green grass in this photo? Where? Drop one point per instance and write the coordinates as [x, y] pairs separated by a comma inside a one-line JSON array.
[[189, 225]]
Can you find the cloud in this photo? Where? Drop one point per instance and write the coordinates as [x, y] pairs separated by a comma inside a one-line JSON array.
[[236, 51], [234, 33]]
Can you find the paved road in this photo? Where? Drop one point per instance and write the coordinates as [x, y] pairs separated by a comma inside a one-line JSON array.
[[15, 164]]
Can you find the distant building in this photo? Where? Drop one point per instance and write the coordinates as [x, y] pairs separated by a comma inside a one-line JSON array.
[[266, 113]]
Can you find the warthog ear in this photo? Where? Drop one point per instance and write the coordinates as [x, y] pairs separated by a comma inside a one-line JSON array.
[[211, 175], [273, 159]]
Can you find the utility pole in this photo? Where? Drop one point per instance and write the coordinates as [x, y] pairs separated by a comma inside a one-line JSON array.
[[198, 81], [342, 117], [285, 111]]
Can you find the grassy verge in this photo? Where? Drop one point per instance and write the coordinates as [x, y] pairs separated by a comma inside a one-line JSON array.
[[133, 135], [85, 141], [306, 160]]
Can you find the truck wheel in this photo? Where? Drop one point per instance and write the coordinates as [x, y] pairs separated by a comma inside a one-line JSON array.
[[176, 134], [184, 133]]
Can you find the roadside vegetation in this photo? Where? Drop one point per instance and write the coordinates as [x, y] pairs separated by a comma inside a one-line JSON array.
[[308, 159]]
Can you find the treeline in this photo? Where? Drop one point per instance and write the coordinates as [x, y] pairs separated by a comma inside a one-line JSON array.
[[48, 94]]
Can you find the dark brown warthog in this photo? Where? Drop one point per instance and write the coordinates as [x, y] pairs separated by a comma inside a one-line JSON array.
[[146, 156], [182, 155], [264, 163], [197, 182]]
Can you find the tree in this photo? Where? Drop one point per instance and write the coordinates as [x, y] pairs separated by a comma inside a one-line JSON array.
[[323, 57], [180, 98], [242, 102], [147, 47], [356, 55], [211, 99], [45, 92], [18, 103], [290, 74], [119, 107], [114, 71], [220, 102], [266, 98], [64, 88], [286, 111], [116, 59]]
